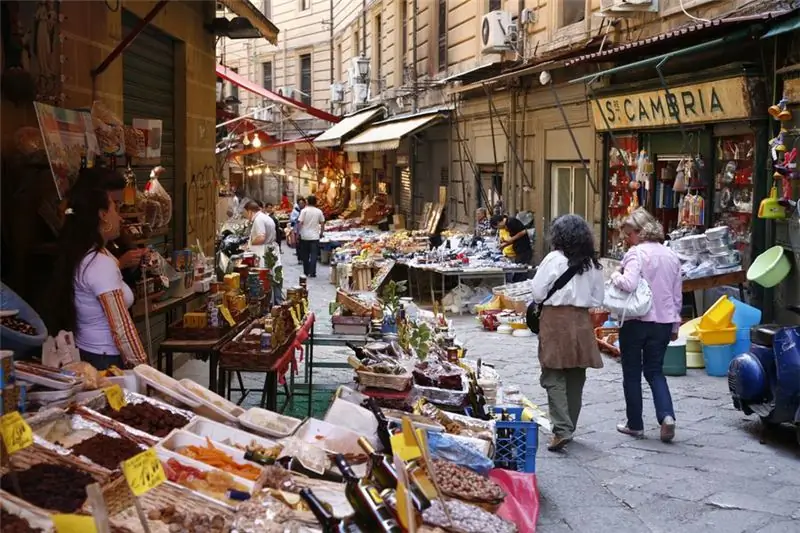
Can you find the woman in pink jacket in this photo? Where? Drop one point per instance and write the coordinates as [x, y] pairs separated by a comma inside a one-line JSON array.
[[643, 341]]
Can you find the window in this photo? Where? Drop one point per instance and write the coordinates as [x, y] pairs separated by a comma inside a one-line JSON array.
[[569, 193], [267, 66], [572, 12], [355, 43], [441, 22], [305, 5], [404, 19], [234, 89], [339, 59], [305, 79], [266, 8], [495, 5], [378, 54]]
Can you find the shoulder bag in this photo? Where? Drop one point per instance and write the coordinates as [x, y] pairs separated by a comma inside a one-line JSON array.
[[534, 311], [634, 304]]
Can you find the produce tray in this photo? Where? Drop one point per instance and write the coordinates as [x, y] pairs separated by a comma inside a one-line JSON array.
[[212, 405], [165, 385], [227, 435], [45, 376], [179, 439], [374, 380], [283, 426]]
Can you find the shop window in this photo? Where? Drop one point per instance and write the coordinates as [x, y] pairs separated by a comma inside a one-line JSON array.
[[305, 5], [572, 12], [355, 43], [441, 23], [492, 185], [378, 55], [569, 190], [267, 80], [305, 79], [494, 5]]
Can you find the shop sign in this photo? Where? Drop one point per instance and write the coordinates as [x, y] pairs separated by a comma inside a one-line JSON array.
[[713, 101]]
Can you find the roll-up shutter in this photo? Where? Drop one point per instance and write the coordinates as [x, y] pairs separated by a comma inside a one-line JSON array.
[[148, 74], [405, 193]]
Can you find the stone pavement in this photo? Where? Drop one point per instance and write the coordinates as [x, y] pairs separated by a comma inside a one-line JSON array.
[[716, 477]]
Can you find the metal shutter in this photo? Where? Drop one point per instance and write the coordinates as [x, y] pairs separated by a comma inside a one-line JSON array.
[[405, 193], [148, 74]]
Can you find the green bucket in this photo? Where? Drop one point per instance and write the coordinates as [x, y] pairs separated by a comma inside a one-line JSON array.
[[675, 358]]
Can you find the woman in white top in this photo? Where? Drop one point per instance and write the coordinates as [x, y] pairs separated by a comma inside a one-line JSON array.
[[90, 298], [567, 346]]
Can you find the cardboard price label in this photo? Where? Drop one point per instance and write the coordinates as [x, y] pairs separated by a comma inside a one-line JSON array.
[[143, 472], [115, 396], [17, 434], [74, 523]]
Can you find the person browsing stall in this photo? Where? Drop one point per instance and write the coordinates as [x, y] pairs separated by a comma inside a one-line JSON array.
[[262, 230], [311, 224], [90, 297], [483, 225], [514, 238], [567, 346], [269, 209], [295, 214]]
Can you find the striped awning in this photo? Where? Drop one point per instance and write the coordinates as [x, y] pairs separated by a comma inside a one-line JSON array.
[[388, 134], [336, 134]]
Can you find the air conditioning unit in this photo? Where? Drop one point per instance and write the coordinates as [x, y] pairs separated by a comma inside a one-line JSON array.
[[286, 91], [360, 93], [495, 32], [621, 8], [337, 93]]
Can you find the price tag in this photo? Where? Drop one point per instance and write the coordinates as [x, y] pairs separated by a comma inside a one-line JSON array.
[[404, 444], [405, 507], [115, 397], [17, 434], [143, 472], [226, 314], [295, 319], [74, 523]]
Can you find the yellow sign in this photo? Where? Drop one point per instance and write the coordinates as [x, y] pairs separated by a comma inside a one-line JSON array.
[[144, 472], [17, 434], [404, 445], [711, 101], [74, 523], [305, 306], [295, 319], [226, 314], [115, 397]]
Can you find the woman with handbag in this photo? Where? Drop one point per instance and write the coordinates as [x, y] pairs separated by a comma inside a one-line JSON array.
[[643, 340], [568, 282]]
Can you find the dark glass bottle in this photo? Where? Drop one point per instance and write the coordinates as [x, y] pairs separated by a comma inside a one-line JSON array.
[[385, 475], [365, 498], [358, 350], [259, 458], [293, 465], [383, 425], [329, 523]]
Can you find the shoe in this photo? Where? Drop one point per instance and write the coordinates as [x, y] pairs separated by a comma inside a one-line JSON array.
[[623, 428], [667, 429], [557, 443]]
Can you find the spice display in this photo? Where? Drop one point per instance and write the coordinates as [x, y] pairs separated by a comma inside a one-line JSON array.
[[463, 483], [213, 483], [106, 451], [188, 522], [11, 523], [439, 374], [55, 487], [148, 418], [466, 518], [17, 324], [219, 459]]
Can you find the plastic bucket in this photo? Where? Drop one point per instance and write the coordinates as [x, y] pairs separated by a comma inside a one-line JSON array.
[[695, 360], [718, 359], [770, 268], [745, 316], [742, 344], [675, 358], [718, 315], [717, 337]]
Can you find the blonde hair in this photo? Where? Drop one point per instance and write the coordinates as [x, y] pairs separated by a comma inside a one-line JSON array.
[[646, 225], [482, 210]]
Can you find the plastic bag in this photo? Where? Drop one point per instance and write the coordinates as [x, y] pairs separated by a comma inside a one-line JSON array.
[[443, 446], [154, 191], [521, 505]]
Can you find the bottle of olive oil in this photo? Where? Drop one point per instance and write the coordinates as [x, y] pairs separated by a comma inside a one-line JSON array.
[[365, 498]]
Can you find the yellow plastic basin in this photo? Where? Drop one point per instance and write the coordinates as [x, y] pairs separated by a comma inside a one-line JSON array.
[[718, 315], [716, 337]]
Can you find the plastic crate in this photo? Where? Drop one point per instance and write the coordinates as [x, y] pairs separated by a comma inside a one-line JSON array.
[[515, 441]]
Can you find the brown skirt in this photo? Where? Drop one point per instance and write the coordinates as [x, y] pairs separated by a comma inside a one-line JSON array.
[[566, 339]]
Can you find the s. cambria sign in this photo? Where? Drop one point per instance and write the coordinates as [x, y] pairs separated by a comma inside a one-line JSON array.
[[713, 101]]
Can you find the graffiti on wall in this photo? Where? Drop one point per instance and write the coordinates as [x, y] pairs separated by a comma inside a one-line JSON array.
[[201, 198]]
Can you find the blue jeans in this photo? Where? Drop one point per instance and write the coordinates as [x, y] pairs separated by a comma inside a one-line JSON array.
[[101, 361], [310, 256], [643, 345]]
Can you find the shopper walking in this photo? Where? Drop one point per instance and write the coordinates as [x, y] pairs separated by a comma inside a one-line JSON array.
[[262, 231], [310, 222], [269, 209], [567, 346], [293, 217], [514, 242], [643, 341]]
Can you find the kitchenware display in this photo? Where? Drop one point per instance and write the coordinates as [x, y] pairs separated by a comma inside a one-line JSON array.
[[727, 259], [696, 243]]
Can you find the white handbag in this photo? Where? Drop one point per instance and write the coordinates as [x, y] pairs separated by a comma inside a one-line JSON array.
[[628, 304]]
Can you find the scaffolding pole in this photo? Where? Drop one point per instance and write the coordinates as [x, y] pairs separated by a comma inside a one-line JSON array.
[[508, 137]]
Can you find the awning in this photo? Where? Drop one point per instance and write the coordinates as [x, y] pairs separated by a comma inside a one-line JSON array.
[[784, 27], [388, 134], [476, 73], [336, 134], [244, 8], [228, 74]]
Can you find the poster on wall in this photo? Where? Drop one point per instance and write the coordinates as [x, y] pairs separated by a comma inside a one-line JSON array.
[[152, 129], [68, 135]]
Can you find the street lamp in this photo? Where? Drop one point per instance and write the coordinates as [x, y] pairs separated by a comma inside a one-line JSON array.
[[362, 65]]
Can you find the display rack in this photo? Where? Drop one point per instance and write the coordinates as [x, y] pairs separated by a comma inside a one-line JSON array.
[[621, 197], [733, 189]]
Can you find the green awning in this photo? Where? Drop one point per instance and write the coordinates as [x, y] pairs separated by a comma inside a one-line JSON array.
[[784, 27]]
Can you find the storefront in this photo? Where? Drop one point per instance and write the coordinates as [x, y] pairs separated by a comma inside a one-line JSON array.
[[689, 155]]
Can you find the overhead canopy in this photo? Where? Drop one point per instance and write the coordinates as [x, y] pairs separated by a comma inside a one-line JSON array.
[[245, 8], [228, 74], [784, 27], [336, 134], [476, 73], [388, 134]]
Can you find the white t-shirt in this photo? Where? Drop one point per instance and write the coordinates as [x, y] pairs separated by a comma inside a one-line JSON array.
[[98, 273], [583, 290], [311, 220], [262, 225]]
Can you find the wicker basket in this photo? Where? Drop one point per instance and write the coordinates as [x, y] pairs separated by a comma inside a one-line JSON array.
[[177, 331], [373, 380]]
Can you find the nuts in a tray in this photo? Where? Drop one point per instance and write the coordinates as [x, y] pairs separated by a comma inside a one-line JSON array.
[[11, 523], [148, 418], [54, 487], [465, 484], [17, 324], [467, 518], [106, 451], [179, 522]]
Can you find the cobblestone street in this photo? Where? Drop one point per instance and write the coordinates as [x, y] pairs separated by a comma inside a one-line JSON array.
[[715, 477]]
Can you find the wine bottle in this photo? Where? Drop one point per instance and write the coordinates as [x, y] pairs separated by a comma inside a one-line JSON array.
[[366, 500], [383, 425], [358, 350], [293, 465], [329, 523], [260, 458], [385, 475]]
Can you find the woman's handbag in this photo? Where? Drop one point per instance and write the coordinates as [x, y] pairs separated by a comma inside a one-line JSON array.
[[534, 311], [629, 304]]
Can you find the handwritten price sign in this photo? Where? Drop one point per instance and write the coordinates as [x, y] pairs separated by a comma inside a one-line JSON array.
[[143, 472], [17, 434], [115, 397], [74, 523]]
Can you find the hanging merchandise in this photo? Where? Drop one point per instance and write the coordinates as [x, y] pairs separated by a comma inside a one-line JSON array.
[[770, 207], [129, 196], [780, 111], [159, 206], [680, 178]]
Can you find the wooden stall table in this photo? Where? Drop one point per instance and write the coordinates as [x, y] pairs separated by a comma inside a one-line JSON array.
[[709, 282], [165, 306]]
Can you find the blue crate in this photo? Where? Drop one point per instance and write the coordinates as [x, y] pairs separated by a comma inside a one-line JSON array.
[[515, 441]]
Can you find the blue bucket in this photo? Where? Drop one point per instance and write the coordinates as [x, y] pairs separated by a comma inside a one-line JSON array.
[[745, 316], [742, 344], [718, 358], [13, 340]]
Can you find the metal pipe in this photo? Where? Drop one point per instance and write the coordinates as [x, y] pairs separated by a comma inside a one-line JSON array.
[[572, 136], [363, 27], [415, 99], [505, 131]]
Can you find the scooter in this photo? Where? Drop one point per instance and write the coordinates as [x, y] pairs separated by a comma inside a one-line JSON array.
[[766, 380]]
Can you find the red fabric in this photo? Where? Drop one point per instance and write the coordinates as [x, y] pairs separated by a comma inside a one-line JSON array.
[[291, 353], [521, 505]]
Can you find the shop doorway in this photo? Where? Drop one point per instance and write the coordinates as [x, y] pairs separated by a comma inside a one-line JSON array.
[[569, 190]]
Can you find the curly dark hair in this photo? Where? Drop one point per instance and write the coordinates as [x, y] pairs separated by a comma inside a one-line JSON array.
[[572, 236]]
